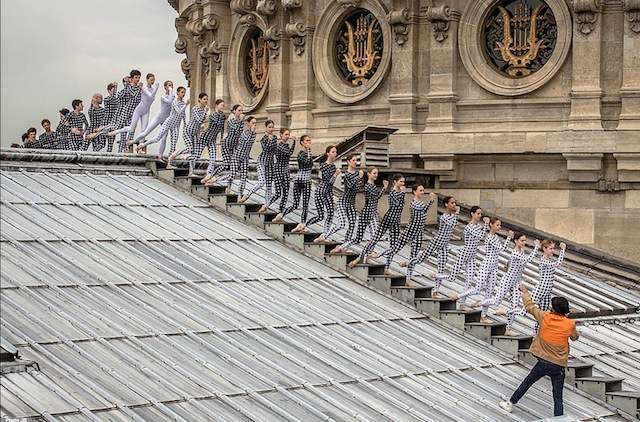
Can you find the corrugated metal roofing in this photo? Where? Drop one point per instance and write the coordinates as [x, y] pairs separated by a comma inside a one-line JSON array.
[[140, 302]]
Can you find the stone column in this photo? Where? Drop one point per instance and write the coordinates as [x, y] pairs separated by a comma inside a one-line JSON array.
[[443, 93], [215, 50], [301, 82], [586, 91], [630, 90], [278, 93], [403, 81]]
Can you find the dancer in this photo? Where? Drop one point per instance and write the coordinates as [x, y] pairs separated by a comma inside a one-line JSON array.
[[323, 195], [510, 282], [240, 158], [49, 138], [390, 222], [550, 347], [369, 214], [301, 185], [97, 115], [415, 229], [230, 141], [352, 181], [281, 171], [166, 100], [63, 128], [439, 244], [78, 125], [177, 116], [111, 104], [190, 133], [269, 143], [141, 112], [198, 142], [473, 234], [130, 96], [487, 275], [209, 138]]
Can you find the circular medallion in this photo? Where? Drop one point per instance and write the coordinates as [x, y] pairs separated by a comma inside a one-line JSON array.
[[249, 74]]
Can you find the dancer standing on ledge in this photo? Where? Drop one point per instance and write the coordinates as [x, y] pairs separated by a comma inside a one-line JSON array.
[[141, 112], [415, 229], [473, 234], [439, 244], [488, 273], [390, 222], [269, 143], [190, 133], [198, 141], [230, 141], [177, 116], [281, 170], [302, 184], [97, 115], [369, 214], [510, 282], [240, 158], [323, 195], [550, 347], [347, 201], [78, 124], [166, 100], [209, 138]]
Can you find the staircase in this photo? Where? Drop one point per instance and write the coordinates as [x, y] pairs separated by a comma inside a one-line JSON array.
[[579, 374]]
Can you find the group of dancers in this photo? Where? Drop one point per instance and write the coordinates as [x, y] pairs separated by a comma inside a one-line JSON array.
[[120, 112]]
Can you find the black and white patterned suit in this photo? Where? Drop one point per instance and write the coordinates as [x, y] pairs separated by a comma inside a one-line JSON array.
[[240, 160], [323, 197], [62, 133], [191, 132], [368, 215], [209, 137], [473, 234], [302, 184], [347, 205], [97, 116], [78, 121], [48, 140], [390, 221], [413, 232], [541, 294], [176, 117], [229, 143], [265, 167], [130, 97], [282, 174]]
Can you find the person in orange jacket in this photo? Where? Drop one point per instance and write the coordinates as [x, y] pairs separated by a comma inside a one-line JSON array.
[[550, 346]]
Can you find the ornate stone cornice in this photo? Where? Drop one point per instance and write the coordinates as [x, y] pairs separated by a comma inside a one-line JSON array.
[[186, 67], [248, 20], [440, 18], [267, 7], [632, 14], [181, 45], [349, 3], [272, 38], [242, 7], [200, 26], [399, 21], [296, 31], [211, 51], [291, 4], [586, 14]]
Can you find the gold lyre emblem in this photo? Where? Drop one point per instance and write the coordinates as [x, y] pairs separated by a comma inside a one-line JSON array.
[[520, 44], [361, 54], [259, 63]]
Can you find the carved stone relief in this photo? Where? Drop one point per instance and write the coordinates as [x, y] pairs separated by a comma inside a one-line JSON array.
[[399, 21], [440, 18], [632, 14], [296, 31], [586, 14]]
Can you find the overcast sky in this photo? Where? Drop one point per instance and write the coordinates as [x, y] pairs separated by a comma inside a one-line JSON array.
[[54, 51]]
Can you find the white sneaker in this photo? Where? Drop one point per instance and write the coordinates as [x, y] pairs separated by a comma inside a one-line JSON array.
[[507, 406]]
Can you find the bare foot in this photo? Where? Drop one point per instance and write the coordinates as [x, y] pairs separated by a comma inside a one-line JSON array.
[[319, 239], [501, 312], [485, 320], [263, 209], [170, 167], [297, 228], [464, 308], [348, 251], [210, 182], [160, 159], [510, 333], [354, 262], [436, 295], [277, 218], [228, 191], [475, 304], [190, 175], [336, 249], [410, 283], [433, 275], [243, 199], [369, 261], [205, 179], [387, 273], [454, 297], [375, 255], [403, 264], [305, 230]]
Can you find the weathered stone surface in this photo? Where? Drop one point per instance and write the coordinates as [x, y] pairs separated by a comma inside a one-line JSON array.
[[574, 225]]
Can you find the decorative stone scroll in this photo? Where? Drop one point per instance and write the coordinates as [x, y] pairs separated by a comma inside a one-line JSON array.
[[186, 67], [181, 45], [211, 51], [440, 18], [291, 4], [632, 14], [349, 3], [586, 14], [248, 20], [272, 37], [267, 7], [242, 7], [296, 31], [399, 21]]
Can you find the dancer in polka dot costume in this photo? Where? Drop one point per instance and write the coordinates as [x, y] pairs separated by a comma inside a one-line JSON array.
[[269, 142], [323, 195], [281, 171], [347, 202]]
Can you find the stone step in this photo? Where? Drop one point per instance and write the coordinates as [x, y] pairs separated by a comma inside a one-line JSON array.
[[299, 239], [386, 282], [236, 208], [339, 260], [511, 344], [278, 228], [259, 218], [185, 182], [524, 355], [578, 369], [434, 306], [319, 249], [221, 200], [599, 386], [411, 294], [627, 401], [202, 191], [484, 331], [365, 271], [459, 318]]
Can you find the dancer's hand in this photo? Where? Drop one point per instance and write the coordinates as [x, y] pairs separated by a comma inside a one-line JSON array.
[[486, 220], [522, 288], [563, 246], [403, 189], [433, 196], [385, 184], [361, 174], [536, 242], [457, 209], [338, 171], [188, 101], [510, 234]]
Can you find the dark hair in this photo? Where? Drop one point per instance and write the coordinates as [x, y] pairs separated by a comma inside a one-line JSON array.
[[418, 183], [446, 199], [181, 88], [303, 137], [350, 156], [284, 129], [235, 107], [493, 220], [560, 305], [110, 86], [45, 121], [149, 75], [202, 95], [518, 235], [397, 177], [31, 130], [268, 122], [124, 79], [250, 118], [24, 136], [64, 111], [329, 148], [134, 72], [474, 209], [75, 103], [14, 145], [219, 100], [546, 243]]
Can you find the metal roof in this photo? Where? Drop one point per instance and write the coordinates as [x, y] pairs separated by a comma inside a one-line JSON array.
[[141, 302]]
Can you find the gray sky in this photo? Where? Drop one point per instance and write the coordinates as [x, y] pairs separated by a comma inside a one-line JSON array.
[[54, 51]]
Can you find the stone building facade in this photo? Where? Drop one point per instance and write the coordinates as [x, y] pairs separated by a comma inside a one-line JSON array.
[[530, 108]]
